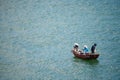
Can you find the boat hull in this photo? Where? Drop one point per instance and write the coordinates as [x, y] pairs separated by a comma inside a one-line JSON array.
[[85, 56]]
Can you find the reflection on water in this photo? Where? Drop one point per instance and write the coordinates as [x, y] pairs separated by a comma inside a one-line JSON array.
[[86, 61]]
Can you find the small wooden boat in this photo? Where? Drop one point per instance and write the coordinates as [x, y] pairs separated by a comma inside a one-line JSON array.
[[85, 56]]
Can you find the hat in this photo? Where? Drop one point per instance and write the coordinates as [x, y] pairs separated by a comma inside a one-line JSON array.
[[76, 44], [85, 46]]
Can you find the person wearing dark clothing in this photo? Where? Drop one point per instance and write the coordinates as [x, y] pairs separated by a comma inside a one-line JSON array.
[[93, 48]]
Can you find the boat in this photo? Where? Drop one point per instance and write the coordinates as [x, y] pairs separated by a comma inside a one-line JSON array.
[[85, 55]]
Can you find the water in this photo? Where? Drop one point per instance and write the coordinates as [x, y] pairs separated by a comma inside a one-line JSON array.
[[36, 37]]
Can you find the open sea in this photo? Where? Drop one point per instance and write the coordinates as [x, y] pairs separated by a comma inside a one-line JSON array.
[[36, 38]]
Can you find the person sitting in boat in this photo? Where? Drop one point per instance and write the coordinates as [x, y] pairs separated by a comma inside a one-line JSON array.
[[76, 47], [93, 48], [85, 49]]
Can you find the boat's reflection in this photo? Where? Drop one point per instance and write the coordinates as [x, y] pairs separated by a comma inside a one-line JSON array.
[[86, 61]]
